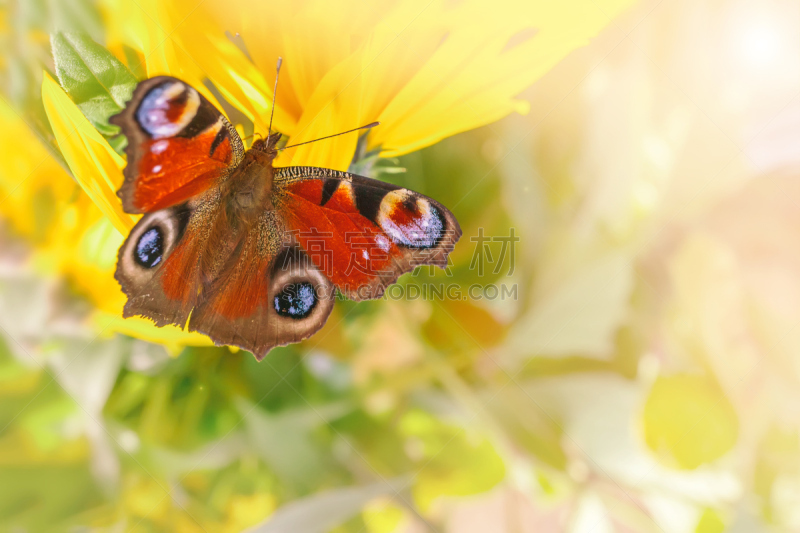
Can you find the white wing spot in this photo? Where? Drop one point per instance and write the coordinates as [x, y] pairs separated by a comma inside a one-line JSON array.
[[159, 147]]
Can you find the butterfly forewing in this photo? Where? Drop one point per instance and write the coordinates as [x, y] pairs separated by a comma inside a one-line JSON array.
[[363, 233], [179, 145]]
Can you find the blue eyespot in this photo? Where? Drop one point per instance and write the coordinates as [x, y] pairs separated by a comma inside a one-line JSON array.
[[296, 300], [150, 248]]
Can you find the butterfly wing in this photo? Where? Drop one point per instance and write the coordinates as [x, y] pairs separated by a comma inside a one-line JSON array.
[[179, 145], [269, 294], [164, 263], [362, 233]]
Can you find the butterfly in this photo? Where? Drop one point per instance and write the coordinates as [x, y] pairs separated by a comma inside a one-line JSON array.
[[245, 252]]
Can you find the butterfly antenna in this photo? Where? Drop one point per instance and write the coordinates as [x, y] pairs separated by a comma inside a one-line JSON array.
[[372, 125], [274, 95]]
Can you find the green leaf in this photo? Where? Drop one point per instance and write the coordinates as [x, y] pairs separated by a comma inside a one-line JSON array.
[[689, 421], [96, 81]]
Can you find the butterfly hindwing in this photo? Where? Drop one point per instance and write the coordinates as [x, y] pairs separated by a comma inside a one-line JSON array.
[[362, 233], [255, 289], [269, 294], [152, 266], [179, 145]]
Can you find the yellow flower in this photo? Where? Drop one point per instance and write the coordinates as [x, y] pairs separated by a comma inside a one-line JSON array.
[[426, 70]]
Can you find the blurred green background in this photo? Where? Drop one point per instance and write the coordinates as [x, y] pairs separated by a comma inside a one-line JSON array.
[[641, 373]]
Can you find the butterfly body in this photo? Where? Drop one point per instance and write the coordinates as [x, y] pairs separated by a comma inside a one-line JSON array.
[[245, 252], [249, 187]]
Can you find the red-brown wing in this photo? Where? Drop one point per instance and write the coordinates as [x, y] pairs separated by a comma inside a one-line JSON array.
[[362, 233], [253, 288], [179, 145], [267, 294], [163, 263]]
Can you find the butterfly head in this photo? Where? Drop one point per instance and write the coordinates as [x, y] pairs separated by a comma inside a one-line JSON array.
[[267, 145]]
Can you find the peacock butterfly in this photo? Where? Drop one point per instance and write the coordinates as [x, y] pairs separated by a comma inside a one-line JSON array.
[[242, 251]]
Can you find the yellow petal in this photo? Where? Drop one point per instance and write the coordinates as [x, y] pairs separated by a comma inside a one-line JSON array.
[[171, 337], [148, 27], [96, 166], [473, 77], [311, 37]]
